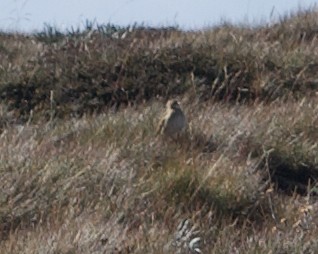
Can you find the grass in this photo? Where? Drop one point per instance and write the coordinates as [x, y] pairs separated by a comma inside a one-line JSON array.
[[83, 172]]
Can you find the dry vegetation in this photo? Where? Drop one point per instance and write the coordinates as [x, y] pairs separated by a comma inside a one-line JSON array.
[[82, 171]]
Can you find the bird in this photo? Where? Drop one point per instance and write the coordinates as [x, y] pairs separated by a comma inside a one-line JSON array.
[[173, 122]]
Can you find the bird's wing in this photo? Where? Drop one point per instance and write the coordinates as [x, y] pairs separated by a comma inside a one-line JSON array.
[[161, 124]]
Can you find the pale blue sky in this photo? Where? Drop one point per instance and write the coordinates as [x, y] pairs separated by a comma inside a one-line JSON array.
[[30, 15]]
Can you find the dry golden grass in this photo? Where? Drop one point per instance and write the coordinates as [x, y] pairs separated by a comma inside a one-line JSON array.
[[90, 70], [105, 184], [79, 176]]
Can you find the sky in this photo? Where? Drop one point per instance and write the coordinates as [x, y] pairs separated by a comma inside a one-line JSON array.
[[31, 15]]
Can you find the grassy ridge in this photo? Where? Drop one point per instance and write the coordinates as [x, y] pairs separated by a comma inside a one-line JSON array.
[[81, 178], [87, 69]]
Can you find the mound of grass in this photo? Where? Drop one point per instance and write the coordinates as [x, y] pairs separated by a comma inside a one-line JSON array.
[[105, 65]]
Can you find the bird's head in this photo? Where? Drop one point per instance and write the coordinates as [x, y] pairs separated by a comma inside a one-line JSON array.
[[173, 104]]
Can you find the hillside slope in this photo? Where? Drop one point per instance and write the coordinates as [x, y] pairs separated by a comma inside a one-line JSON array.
[[82, 171]]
